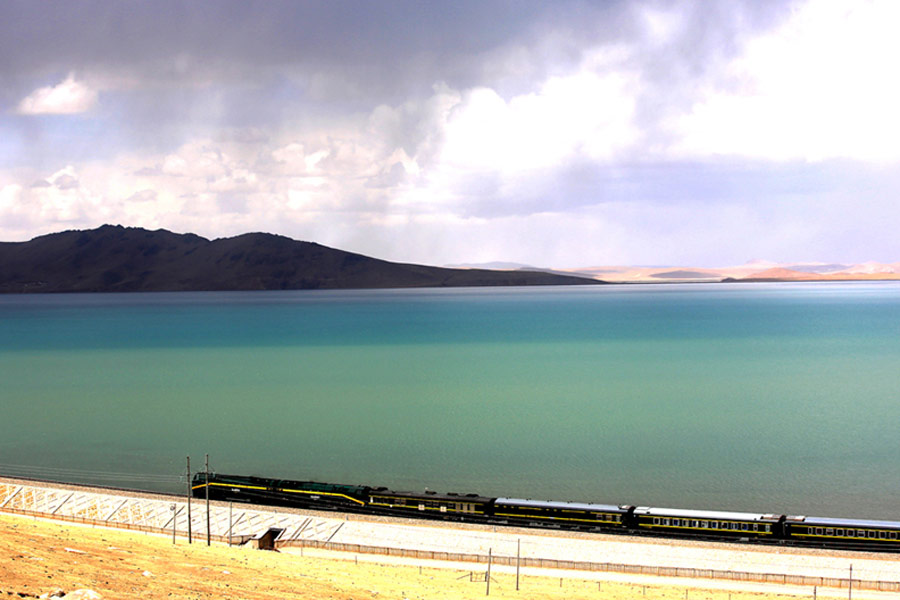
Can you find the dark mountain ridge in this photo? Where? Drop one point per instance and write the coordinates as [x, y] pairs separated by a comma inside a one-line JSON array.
[[113, 258]]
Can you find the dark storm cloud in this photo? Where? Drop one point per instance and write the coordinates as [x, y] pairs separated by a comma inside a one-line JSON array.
[[166, 40], [262, 63], [385, 44], [170, 69]]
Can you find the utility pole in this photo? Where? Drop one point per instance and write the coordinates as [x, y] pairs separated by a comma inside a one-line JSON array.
[[189, 497], [850, 585], [487, 576], [207, 499], [518, 560]]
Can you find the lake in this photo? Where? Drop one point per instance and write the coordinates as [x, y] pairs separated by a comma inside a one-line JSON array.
[[764, 397]]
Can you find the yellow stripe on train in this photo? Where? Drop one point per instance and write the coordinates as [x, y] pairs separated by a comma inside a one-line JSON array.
[[257, 487]]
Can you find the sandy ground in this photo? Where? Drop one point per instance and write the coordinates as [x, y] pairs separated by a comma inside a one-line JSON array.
[[38, 557]]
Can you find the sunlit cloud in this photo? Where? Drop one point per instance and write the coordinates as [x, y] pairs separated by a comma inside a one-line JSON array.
[[66, 98], [820, 86]]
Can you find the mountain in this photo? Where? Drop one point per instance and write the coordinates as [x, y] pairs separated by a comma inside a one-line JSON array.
[[794, 274], [113, 258], [756, 270]]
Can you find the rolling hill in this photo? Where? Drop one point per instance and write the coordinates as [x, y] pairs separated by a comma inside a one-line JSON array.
[[113, 258]]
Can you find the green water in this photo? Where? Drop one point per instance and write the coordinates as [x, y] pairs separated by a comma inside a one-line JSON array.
[[776, 398]]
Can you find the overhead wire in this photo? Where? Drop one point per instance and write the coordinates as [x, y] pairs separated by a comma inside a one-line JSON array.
[[43, 472]]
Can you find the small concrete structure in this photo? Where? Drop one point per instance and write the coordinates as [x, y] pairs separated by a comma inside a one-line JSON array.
[[266, 540]]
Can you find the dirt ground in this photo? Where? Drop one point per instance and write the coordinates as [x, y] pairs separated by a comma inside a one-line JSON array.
[[38, 557]]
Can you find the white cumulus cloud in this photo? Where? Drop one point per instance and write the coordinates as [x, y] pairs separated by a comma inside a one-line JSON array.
[[65, 98]]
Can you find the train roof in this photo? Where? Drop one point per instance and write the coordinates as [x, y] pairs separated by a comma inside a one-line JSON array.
[[430, 495], [719, 515], [835, 522], [561, 505]]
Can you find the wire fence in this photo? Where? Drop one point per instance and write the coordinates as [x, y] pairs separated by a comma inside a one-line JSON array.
[[577, 565]]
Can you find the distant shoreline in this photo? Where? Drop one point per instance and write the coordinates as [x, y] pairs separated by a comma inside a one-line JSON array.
[[648, 283]]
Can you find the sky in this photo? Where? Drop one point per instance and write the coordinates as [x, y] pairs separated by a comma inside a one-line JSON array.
[[560, 134]]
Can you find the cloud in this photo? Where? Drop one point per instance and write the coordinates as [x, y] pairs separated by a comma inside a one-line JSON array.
[[819, 86], [145, 195], [66, 98], [582, 132]]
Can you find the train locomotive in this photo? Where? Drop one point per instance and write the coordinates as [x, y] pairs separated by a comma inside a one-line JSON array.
[[858, 534]]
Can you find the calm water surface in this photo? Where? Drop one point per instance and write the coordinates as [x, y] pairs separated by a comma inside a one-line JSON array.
[[763, 397]]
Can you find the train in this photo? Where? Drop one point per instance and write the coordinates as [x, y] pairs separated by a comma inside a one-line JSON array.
[[856, 534]]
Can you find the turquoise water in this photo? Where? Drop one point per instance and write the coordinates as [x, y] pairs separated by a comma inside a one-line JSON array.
[[768, 397]]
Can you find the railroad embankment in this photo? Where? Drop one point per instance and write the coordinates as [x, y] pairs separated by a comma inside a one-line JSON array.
[[70, 537]]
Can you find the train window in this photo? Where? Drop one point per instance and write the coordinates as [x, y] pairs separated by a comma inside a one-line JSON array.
[[840, 532], [829, 531], [744, 526], [756, 527], [768, 528], [695, 524], [871, 534], [818, 531], [656, 520], [882, 535], [893, 535]]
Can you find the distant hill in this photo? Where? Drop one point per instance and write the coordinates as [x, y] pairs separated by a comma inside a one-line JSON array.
[[757, 270], [113, 258]]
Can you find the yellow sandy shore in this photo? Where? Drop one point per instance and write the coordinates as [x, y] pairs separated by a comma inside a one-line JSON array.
[[37, 557]]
